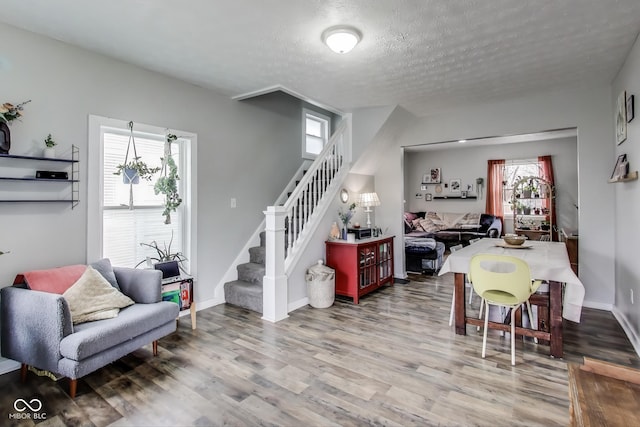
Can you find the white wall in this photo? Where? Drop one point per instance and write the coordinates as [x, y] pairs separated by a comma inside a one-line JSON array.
[[588, 110], [246, 150], [355, 184], [466, 162], [627, 205]]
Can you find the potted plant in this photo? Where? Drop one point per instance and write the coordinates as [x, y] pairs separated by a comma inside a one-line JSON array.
[[49, 149], [528, 189], [135, 169], [164, 254], [8, 113], [345, 217], [167, 184]]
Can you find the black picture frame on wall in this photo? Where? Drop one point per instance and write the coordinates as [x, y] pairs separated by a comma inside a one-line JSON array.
[[630, 109]]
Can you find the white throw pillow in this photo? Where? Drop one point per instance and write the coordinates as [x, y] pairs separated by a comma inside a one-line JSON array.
[[91, 297]]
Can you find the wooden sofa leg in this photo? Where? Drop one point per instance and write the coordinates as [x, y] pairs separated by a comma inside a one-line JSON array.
[[155, 348], [23, 372], [73, 386]]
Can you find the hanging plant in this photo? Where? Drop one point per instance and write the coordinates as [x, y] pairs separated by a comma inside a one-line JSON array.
[[167, 184], [135, 169]]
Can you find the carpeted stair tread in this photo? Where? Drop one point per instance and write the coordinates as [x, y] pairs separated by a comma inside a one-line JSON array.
[[257, 254], [244, 294], [251, 272]]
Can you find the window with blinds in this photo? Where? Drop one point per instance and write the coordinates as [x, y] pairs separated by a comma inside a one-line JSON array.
[[123, 229]]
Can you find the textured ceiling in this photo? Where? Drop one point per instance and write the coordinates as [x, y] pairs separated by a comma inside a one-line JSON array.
[[425, 55]]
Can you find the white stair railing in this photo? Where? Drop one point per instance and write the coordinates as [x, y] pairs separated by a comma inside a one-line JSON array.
[[288, 226]]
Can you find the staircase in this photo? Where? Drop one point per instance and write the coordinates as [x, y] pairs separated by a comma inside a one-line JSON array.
[[262, 283], [246, 292]]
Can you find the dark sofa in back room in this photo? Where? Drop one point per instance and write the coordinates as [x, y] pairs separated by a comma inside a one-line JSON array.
[[452, 228]]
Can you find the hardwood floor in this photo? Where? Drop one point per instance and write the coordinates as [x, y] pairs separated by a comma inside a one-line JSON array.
[[392, 360]]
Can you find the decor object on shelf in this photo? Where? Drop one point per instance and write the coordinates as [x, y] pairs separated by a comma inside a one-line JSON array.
[[341, 38], [621, 168], [479, 182], [49, 150], [167, 184], [335, 231], [345, 217], [8, 113], [135, 169], [428, 197], [621, 118], [369, 200], [164, 254], [630, 108]]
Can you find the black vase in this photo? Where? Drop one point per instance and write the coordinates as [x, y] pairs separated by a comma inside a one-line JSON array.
[[5, 138]]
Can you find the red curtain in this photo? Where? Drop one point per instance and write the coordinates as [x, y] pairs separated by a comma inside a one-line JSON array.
[[547, 173], [495, 175]]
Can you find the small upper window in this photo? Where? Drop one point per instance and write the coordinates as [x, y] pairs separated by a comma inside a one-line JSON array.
[[315, 133]]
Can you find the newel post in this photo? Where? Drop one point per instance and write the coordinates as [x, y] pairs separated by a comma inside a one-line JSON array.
[[274, 290]]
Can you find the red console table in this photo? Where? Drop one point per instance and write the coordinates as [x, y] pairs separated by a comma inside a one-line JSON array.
[[362, 266]]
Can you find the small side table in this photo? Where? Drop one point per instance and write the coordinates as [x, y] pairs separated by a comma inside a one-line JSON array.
[[180, 291]]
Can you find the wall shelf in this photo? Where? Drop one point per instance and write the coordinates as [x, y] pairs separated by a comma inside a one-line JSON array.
[[72, 181], [454, 198], [632, 176]]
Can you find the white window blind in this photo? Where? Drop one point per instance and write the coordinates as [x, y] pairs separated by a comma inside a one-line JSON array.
[[123, 229]]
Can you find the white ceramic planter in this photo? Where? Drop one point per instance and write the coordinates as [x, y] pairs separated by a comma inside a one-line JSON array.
[[49, 153]]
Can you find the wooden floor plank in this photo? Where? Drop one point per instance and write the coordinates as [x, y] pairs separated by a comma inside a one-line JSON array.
[[390, 360]]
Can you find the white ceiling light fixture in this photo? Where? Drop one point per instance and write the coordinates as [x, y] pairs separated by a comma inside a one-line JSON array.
[[341, 38]]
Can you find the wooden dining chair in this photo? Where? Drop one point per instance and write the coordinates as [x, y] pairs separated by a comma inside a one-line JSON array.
[[468, 285], [503, 281]]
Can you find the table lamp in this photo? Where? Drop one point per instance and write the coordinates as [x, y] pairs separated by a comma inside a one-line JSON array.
[[368, 200]]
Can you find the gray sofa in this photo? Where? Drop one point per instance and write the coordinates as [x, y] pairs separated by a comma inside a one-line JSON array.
[[37, 329]]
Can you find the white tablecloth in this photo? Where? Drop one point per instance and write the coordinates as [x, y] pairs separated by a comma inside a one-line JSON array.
[[547, 261]]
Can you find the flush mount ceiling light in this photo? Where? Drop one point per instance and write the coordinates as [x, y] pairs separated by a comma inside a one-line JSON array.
[[341, 39]]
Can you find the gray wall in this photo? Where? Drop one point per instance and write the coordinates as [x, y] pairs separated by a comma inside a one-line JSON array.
[[246, 151], [627, 205], [588, 110], [466, 162]]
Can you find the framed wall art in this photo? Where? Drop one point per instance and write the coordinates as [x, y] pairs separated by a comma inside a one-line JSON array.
[[454, 186], [428, 197], [630, 109], [621, 118], [433, 177]]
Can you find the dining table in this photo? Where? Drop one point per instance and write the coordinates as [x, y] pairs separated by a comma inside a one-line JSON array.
[[547, 261]]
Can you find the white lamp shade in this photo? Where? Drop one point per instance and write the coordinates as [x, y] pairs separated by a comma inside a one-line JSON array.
[[341, 39], [369, 199]]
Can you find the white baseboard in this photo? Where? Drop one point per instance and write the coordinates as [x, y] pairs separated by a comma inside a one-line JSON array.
[[626, 326], [202, 305], [292, 306], [597, 305], [8, 365]]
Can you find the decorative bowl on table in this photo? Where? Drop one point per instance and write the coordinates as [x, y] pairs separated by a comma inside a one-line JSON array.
[[513, 239]]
